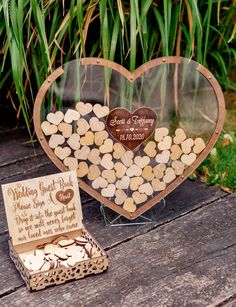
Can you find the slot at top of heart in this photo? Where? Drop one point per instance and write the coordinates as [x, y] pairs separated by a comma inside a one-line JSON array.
[[55, 118]]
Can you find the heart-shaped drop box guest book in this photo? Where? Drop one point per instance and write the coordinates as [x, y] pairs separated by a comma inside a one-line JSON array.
[[131, 137], [48, 241]]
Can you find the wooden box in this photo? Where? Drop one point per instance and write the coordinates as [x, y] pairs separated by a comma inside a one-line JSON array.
[[48, 242]]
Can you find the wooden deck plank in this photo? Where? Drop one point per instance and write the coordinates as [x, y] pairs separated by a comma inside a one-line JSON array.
[[7, 269], [188, 262], [14, 148]]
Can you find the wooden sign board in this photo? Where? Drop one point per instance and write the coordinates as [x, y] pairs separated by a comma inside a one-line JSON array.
[[131, 129], [42, 207]]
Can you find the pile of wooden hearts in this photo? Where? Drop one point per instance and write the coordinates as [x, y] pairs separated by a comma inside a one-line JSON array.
[[79, 138]]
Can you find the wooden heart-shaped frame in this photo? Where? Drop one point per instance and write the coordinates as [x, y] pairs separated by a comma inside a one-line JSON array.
[[131, 77]]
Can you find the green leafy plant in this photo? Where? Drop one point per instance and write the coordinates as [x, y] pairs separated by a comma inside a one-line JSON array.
[[37, 36], [219, 168]]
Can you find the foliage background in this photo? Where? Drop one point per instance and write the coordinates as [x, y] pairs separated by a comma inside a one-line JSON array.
[[38, 36]]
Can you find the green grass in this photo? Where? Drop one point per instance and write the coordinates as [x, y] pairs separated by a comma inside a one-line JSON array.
[[220, 167]]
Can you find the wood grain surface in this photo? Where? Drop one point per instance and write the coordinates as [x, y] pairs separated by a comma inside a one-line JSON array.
[[186, 258]]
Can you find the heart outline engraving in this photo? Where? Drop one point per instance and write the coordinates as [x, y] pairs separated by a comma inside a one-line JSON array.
[[65, 197]]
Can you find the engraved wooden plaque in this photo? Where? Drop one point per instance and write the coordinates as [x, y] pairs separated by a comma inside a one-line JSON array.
[[131, 129]]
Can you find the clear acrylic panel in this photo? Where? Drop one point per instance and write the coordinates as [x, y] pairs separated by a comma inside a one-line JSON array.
[[179, 93]]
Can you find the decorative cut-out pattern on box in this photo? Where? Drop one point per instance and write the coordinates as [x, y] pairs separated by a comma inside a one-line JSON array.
[[48, 242]]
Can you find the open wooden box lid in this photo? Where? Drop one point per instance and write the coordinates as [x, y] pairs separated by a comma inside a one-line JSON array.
[[42, 207]]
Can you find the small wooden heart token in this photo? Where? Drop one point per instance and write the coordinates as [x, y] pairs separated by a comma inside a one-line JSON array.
[[71, 115], [129, 205], [55, 118], [94, 172], [66, 129], [120, 197], [48, 129], [55, 140], [84, 108], [100, 111], [150, 149], [160, 133]]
